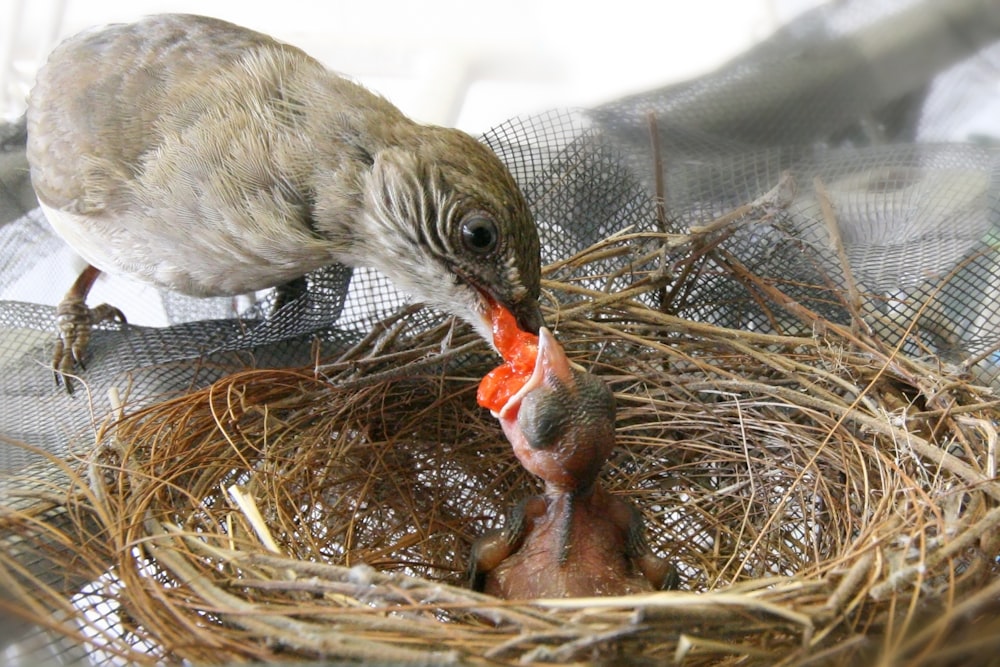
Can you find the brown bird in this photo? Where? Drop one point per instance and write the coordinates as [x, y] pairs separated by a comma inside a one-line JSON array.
[[576, 540], [213, 160]]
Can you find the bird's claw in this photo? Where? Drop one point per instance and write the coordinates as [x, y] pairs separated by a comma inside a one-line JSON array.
[[75, 321]]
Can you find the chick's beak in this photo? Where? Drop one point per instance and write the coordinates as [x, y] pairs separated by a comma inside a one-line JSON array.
[[552, 367], [555, 365]]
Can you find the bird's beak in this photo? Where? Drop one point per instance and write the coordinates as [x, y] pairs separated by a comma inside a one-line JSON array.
[[552, 362], [528, 315]]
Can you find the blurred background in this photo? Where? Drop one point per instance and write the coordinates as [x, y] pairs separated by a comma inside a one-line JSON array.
[[450, 62], [737, 75]]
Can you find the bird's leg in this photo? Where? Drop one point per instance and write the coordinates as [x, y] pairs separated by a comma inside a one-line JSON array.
[[75, 320], [659, 573]]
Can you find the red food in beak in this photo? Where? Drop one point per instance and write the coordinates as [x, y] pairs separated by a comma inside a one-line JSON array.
[[519, 350]]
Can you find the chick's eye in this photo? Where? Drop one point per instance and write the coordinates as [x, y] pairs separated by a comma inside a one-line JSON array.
[[541, 420], [480, 234]]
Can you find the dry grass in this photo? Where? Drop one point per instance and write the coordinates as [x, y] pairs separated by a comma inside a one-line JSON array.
[[826, 499]]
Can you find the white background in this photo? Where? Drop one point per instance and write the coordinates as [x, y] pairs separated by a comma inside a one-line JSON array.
[[471, 64]]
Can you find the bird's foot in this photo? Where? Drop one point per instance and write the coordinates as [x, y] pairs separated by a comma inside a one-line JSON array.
[[75, 321]]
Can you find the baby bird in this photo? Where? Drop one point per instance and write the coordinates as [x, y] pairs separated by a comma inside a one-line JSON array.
[[576, 539], [213, 160]]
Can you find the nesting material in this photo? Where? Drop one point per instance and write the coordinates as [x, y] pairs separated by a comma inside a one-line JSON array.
[[822, 496]]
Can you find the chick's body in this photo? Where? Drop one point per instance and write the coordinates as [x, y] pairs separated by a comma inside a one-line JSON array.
[[572, 546], [576, 539], [213, 160]]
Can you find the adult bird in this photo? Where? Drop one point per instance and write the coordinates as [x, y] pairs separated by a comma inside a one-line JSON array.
[[213, 160]]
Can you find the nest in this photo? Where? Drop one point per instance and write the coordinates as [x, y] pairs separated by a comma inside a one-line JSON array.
[[824, 497]]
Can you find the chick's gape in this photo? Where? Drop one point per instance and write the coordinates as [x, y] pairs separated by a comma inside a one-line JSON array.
[[210, 159]]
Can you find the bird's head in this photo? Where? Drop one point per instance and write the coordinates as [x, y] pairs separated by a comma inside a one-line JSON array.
[[561, 423], [455, 229]]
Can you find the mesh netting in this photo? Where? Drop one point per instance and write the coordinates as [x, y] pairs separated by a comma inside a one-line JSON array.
[[824, 264]]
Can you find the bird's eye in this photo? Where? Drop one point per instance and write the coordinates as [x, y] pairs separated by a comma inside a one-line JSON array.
[[479, 233]]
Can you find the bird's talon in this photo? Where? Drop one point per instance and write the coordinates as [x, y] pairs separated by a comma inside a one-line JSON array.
[[75, 322]]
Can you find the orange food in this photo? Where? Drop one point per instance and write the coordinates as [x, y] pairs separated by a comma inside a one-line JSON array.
[[519, 350]]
